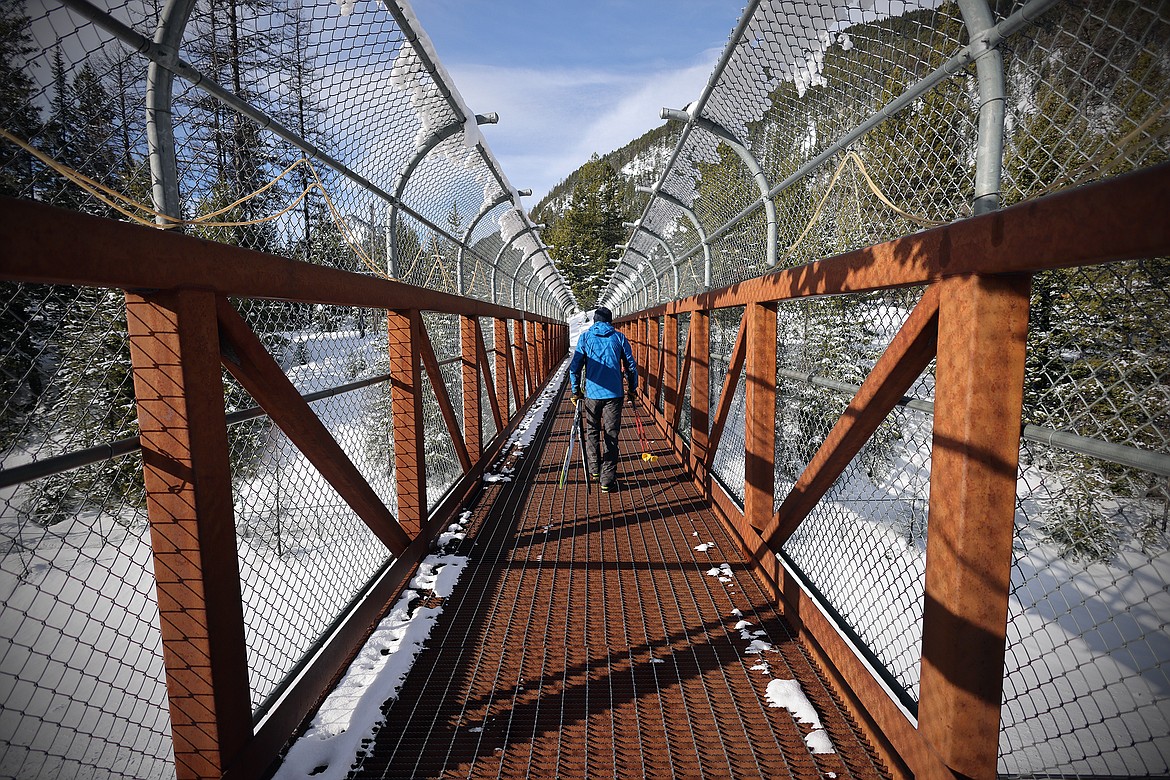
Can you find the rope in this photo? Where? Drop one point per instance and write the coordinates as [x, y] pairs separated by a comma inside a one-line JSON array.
[[122, 203], [873, 187]]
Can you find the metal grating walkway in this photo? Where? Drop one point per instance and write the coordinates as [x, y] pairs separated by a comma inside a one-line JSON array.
[[587, 639]]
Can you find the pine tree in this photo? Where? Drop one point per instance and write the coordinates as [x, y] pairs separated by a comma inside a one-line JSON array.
[[1098, 362], [95, 404], [21, 380], [233, 44], [57, 141], [303, 112], [18, 111], [583, 239]]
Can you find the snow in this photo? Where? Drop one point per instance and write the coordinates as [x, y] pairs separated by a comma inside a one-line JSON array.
[[468, 149], [80, 620], [789, 695], [352, 713], [758, 646], [704, 547], [722, 572]]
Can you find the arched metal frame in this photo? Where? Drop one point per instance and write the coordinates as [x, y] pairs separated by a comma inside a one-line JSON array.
[[529, 228], [484, 210], [985, 37], [165, 64], [704, 240], [662, 243], [424, 149], [749, 160]]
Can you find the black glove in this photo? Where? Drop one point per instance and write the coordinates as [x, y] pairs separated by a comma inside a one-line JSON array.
[[631, 394]]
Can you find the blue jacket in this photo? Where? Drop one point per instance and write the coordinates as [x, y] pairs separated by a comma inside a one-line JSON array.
[[603, 350]]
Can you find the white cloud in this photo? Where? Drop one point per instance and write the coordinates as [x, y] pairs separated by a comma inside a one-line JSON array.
[[552, 120]]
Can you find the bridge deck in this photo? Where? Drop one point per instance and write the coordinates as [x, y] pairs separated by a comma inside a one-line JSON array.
[[587, 638]]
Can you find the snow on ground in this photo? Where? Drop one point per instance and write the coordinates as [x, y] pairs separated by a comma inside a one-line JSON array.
[[352, 713], [779, 693], [81, 675], [1086, 679]]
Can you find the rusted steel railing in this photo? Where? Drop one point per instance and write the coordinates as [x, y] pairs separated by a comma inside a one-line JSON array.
[[973, 320], [182, 329]]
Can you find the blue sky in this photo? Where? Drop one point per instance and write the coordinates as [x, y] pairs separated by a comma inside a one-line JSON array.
[[573, 77]]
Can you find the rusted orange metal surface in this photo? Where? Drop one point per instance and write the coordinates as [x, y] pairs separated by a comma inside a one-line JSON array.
[[760, 413], [983, 330], [189, 504], [900, 365], [977, 322], [586, 639], [471, 346], [180, 333]]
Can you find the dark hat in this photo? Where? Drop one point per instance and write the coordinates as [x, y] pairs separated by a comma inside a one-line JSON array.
[[602, 314]]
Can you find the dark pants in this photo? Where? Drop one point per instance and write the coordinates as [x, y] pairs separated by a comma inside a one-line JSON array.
[[602, 415]]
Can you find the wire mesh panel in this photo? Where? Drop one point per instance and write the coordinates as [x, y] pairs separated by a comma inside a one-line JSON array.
[[304, 554], [728, 465], [443, 467], [863, 546], [321, 131], [824, 130], [487, 419], [1087, 673], [684, 418], [660, 401], [81, 672], [1087, 96]]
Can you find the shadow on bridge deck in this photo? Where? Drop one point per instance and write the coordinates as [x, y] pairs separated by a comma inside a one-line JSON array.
[[587, 638]]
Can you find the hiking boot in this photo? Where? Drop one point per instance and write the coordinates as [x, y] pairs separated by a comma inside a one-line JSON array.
[[595, 477], [610, 487]]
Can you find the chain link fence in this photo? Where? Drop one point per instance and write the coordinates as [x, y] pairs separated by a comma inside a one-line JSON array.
[[317, 130], [826, 129]]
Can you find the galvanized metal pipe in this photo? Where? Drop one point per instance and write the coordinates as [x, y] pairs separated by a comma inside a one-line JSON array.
[[160, 130], [1119, 454], [748, 159], [102, 452], [989, 75], [965, 56], [704, 239], [168, 59], [434, 139]]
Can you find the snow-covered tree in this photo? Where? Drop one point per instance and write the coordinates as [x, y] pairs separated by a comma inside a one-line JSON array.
[[582, 241]]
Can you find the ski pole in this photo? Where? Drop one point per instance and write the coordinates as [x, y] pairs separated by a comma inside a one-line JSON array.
[[584, 464], [572, 438]]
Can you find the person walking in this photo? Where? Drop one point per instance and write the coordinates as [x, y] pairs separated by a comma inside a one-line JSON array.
[[603, 351]]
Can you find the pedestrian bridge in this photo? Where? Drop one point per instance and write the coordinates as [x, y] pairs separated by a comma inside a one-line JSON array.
[[283, 422]]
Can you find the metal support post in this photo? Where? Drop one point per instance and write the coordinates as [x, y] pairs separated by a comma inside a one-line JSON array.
[[472, 408], [982, 333], [405, 330], [760, 426], [179, 390]]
